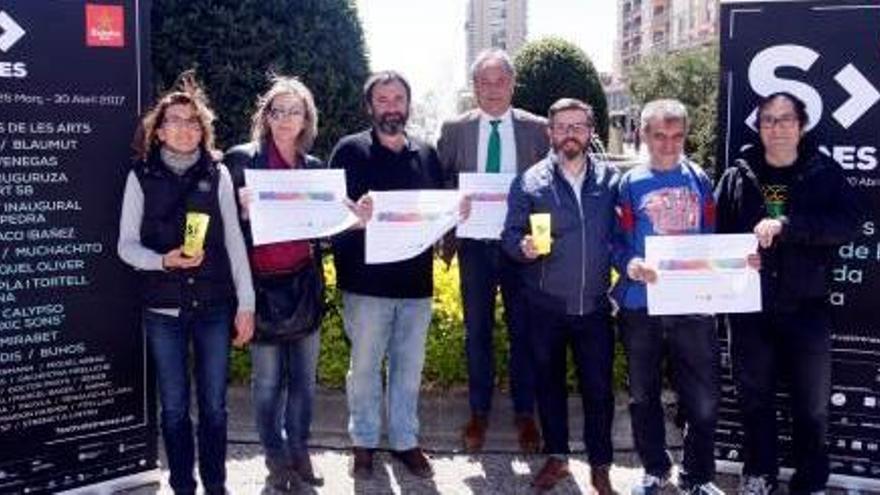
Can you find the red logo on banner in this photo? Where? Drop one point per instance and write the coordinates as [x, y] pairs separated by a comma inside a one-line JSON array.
[[105, 25]]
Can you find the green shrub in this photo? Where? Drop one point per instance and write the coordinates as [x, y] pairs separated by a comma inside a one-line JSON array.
[[333, 359], [692, 77], [553, 68], [445, 361], [234, 43], [445, 364]]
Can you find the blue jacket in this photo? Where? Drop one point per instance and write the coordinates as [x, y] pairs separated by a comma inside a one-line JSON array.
[[574, 278]]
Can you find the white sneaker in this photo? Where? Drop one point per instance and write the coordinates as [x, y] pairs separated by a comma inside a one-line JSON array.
[[650, 485], [708, 488], [754, 485]]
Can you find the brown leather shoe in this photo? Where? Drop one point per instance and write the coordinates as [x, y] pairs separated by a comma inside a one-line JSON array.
[[528, 434], [473, 435], [362, 468], [415, 461], [554, 471], [601, 480]]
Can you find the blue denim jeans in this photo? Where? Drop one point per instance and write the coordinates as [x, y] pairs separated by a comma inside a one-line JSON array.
[[169, 339], [283, 390], [378, 327], [691, 342], [485, 268]]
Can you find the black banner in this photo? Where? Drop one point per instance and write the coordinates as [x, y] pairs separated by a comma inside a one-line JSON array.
[[74, 406], [828, 54]]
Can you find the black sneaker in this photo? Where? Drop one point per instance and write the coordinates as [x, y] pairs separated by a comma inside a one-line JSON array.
[[362, 466], [302, 465]]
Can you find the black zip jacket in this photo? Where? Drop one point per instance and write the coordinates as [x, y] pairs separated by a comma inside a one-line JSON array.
[[822, 212]]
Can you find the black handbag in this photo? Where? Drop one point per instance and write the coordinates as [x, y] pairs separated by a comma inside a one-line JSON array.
[[289, 306]]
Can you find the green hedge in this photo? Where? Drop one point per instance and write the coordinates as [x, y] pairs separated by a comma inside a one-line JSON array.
[[445, 365], [553, 68], [233, 44]]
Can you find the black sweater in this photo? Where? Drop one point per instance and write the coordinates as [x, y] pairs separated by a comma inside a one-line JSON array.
[[822, 211], [369, 166]]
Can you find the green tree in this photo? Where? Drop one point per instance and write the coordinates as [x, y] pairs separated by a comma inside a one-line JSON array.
[[691, 77], [552, 68], [234, 44]]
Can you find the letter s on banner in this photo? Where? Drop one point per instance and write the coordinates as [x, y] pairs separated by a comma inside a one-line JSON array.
[[763, 79]]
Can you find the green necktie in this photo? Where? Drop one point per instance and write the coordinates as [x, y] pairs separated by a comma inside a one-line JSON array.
[[493, 158]]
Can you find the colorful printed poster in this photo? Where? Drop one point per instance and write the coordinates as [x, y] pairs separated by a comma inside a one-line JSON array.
[[488, 195], [703, 274], [406, 223], [289, 205]]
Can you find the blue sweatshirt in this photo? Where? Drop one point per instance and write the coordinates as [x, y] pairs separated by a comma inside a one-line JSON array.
[[653, 202]]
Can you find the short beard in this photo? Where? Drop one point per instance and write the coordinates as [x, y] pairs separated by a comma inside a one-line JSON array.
[[391, 124], [571, 153]]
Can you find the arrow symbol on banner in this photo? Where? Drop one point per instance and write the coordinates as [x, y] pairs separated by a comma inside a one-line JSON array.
[[863, 96], [12, 32]]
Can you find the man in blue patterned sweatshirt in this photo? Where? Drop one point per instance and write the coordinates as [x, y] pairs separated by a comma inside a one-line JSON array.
[[667, 196]]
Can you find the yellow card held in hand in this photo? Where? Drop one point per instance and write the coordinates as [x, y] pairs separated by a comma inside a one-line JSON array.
[[540, 223], [194, 235]]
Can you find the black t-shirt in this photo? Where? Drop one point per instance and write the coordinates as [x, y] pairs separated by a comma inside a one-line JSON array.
[[369, 166], [775, 186]]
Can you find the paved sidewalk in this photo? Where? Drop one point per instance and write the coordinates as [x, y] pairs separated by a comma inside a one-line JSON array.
[[499, 470], [496, 473]]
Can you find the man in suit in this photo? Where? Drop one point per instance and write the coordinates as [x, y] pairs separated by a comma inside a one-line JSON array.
[[494, 138]]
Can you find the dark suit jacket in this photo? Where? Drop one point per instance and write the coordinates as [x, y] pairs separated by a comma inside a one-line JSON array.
[[460, 137]]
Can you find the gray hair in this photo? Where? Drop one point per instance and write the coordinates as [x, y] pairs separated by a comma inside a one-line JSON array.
[[492, 54], [665, 110]]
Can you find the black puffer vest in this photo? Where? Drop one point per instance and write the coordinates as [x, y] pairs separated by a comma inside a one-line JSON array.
[[167, 199]]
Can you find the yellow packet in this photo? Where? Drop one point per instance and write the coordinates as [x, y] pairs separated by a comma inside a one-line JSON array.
[[194, 235], [540, 223]]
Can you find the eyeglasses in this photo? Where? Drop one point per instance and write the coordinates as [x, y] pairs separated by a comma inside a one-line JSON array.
[[192, 123], [578, 128], [285, 113], [787, 121]]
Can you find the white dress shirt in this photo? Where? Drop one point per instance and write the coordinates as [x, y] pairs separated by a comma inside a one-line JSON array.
[[508, 142]]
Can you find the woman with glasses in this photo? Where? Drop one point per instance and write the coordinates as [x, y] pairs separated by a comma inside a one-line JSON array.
[[800, 207], [289, 287], [194, 288]]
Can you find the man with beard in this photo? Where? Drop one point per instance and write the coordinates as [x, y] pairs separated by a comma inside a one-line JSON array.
[[386, 307], [491, 139], [567, 287]]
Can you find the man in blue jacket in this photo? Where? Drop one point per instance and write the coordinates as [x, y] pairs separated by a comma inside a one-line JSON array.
[[567, 287]]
